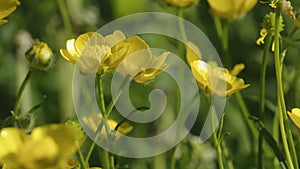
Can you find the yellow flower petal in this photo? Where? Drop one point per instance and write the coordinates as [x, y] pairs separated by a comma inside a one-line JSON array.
[[66, 55], [151, 67], [182, 3], [43, 154], [123, 49], [70, 46], [11, 139], [114, 38], [3, 22], [200, 70], [295, 116], [64, 136], [237, 69], [81, 42], [7, 7]]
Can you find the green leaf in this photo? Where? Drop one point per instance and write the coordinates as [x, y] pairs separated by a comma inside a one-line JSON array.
[[271, 141]]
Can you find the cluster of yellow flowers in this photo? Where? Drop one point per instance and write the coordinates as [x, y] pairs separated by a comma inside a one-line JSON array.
[[94, 53], [48, 147]]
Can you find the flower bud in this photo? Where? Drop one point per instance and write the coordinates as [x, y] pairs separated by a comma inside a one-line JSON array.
[[40, 56]]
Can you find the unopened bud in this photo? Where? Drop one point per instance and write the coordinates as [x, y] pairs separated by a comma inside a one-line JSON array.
[[40, 56]]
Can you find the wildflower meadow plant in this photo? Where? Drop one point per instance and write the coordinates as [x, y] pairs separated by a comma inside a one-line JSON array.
[[171, 84]]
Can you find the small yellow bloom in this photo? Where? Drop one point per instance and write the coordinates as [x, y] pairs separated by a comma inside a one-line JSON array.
[[295, 116], [94, 121], [231, 9], [98, 53], [192, 53], [217, 80], [47, 147], [6, 8], [273, 3], [40, 56], [142, 66], [261, 40], [182, 3]]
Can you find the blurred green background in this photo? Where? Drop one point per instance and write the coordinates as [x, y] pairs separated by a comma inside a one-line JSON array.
[[41, 19]]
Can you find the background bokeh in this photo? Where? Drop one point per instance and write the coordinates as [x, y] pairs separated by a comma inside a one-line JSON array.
[[41, 19]]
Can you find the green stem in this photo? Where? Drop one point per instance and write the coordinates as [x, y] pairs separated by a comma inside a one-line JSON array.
[[112, 161], [246, 114], [103, 111], [90, 151], [181, 24], [116, 97], [226, 155], [284, 125], [81, 159], [65, 18], [173, 158], [262, 98], [217, 142], [20, 94], [218, 26], [219, 151], [225, 45], [283, 135], [101, 96], [105, 157], [222, 32]]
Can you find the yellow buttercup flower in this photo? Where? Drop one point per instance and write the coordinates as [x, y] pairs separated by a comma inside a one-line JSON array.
[[231, 9], [142, 66], [217, 80], [6, 8], [48, 147], [94, 120], [182, 3], [295, 116], [98, 53]]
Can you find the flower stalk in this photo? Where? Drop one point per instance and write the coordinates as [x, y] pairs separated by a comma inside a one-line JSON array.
[[81, 159], [16, 109], [222, 32], [286, 134], [217, 138], [262, 97], [65, 18]]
